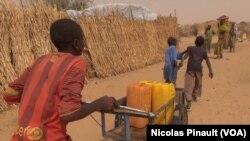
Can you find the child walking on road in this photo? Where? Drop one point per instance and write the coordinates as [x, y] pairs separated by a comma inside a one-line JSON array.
[[170, 66], [193, 76]]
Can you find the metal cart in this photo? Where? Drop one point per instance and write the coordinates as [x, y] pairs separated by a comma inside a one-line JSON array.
[[122, 117]]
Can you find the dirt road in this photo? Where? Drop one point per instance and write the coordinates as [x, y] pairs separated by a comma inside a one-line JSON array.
[[225, 98]]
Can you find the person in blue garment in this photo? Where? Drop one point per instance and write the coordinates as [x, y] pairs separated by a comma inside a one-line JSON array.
[[171, 61]]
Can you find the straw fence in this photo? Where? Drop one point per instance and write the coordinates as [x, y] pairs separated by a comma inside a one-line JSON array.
[[118, 45], [114, 44], [24, 37]]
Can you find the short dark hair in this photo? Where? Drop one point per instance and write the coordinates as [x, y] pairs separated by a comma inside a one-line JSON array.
[[199, 41], [172, 41], [64, 32]]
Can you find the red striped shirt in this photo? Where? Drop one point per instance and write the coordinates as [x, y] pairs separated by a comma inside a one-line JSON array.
[[49, 88]]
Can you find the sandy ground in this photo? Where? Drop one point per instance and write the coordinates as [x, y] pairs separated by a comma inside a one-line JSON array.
[[225, 98]]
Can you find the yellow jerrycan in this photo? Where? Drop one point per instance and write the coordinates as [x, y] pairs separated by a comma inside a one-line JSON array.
[[139, 96], [161, 94]]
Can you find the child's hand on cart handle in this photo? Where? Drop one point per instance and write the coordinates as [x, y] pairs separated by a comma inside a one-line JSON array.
[[107, 103], [116, 104]]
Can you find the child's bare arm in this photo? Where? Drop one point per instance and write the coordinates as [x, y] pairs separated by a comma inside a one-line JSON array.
[[104, 103]]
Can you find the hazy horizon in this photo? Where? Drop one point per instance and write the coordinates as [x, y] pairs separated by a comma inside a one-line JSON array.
[[194, 11]]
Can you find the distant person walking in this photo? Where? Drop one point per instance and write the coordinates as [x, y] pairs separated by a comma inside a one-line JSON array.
[[194, 72], [208, 38], [233, 37], [222, 29], [170, 66]]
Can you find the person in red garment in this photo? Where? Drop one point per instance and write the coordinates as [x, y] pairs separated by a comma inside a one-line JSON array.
[[49, 91]]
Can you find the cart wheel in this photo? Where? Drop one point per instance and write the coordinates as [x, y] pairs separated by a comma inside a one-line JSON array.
[[119, 120], [184, 115], [180, 115], [176, 117], [183, 110], [176, 120]]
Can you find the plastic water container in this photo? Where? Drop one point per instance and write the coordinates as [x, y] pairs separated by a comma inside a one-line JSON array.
[[161, 94], [139, 96]]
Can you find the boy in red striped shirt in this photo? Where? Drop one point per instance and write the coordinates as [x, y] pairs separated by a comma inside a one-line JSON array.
[[49, 91]]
